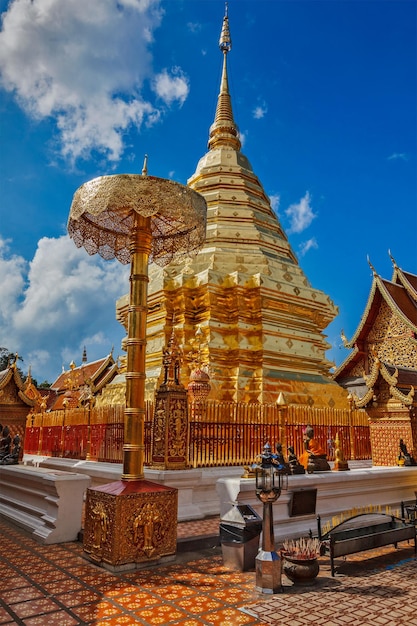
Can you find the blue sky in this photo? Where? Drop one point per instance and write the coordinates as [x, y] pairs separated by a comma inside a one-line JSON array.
[[324, 94]]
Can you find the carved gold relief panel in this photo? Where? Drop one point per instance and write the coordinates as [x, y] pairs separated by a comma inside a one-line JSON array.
[[129, 529], [392, 339], [169, 446]]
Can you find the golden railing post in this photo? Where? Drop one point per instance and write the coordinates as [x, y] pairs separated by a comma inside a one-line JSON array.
[[282, 410], [65, 405], [31, 420], [41, 432], [351, 429], [91, 402]]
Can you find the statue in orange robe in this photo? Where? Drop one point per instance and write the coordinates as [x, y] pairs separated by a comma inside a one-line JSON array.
[[314, 459]]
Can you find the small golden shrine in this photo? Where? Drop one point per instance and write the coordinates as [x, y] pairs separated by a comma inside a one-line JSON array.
[[170, 424], [381, 372], [261, 320]]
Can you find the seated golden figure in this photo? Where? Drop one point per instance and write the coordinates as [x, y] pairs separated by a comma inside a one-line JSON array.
[[340, 463]]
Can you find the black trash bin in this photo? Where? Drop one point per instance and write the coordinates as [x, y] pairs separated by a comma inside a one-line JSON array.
[[240, 529]]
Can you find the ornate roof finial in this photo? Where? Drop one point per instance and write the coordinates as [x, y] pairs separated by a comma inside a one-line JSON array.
[[372, 267], [224, 131], [145, 166], [392, 260], [225, 41], [84, 359], [14, 364], [71, 381], [344, 339]]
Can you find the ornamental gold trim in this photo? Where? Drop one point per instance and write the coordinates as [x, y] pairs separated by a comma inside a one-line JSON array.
[[402, 397]]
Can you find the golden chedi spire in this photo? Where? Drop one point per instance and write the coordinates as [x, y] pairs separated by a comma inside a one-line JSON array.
[[262, 320], [224, 130]]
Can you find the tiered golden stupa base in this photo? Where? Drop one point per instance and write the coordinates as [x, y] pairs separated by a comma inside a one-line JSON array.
[[130, 523]]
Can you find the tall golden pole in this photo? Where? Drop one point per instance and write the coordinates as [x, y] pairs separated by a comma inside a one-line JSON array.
[[133, 448], [134, 219]]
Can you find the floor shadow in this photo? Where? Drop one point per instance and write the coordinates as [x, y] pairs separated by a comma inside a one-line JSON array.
[[367, 563]]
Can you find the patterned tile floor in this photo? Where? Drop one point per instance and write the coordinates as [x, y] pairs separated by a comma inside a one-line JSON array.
[[48, 585], [55, 585], [375, 588], [201, 527]]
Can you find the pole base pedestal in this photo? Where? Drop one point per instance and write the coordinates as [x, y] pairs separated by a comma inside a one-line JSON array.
[[129, 524], [268, 572]]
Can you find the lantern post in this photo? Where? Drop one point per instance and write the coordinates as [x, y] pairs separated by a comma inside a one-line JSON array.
[[270, 481]]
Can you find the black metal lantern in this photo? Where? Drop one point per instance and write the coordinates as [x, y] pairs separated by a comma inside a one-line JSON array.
[[269, 481]]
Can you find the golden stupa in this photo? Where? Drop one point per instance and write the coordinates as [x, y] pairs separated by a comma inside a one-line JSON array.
[[260, 321]]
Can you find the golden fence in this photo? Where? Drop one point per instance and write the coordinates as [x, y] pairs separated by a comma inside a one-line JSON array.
[[219, 433], [229, 433]]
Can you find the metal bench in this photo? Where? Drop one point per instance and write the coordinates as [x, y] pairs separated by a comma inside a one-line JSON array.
[[409, 510], [365, 532]]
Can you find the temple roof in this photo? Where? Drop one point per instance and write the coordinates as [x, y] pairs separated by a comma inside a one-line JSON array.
[[407, 280], [11, 374], [401, 299], [406, 375], [81, 382], [96, 373], [7, 374], [400, 295]]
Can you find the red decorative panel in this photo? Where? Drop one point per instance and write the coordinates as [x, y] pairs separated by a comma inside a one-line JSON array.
[[385, 440]]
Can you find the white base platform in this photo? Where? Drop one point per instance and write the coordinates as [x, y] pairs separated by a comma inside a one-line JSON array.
[[337, 492], [213, 491], [197, 496], [45, 503]]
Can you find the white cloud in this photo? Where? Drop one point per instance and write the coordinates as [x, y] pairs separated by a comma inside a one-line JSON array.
[[260, 111], [398, 156], [310, 244], [300, 214], [85, 65], [274, 200], [194, 27], [12, 271], [62, 300], [171, 86]]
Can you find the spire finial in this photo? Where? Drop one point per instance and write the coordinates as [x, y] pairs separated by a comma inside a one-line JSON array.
[[392, 260], [225, 41], [145, 166], [224, 131], [372, 267]]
